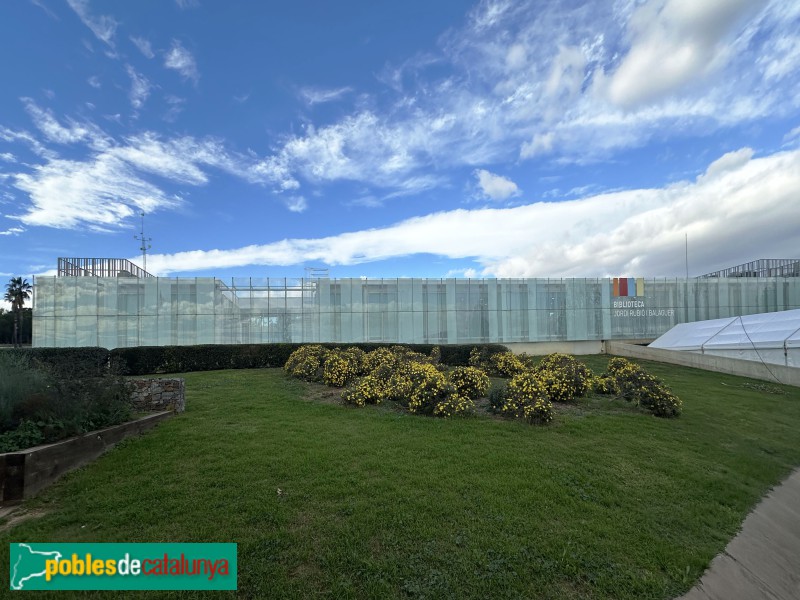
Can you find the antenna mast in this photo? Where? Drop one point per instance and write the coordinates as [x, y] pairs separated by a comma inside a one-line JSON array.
[[687, 256], [145, 243]]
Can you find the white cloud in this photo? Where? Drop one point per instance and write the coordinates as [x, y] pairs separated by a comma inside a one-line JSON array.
[[495, 187], [793, 134], [94, 81], [55, 132], [296, 204], [181, 60], [98, 194], [184, 4], [144, 46], [468, 273], [675, 42], [10, 135], [738, 209], [7, 157], [140, 87], [569, 82], [103, 27], [312, 96], [104, 189], [13, 231], [542, 143], [175, 107]]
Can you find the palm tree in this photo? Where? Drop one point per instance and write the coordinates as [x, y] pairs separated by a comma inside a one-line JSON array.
[[17, 291]]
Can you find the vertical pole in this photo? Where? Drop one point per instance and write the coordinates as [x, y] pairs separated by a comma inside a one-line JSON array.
[[687, 257]]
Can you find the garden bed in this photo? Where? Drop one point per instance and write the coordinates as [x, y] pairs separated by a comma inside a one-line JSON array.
[[26, 472]]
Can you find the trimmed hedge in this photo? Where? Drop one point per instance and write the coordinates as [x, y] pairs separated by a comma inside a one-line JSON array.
[[68, 362], [147, 360]]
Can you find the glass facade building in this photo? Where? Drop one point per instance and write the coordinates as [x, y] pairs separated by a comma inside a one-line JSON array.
[[128, 311]]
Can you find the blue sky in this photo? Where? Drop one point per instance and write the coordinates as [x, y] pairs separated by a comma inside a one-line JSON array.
[[427, 139]]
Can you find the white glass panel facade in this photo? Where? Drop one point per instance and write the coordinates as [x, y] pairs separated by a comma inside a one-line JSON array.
[[127, 311]]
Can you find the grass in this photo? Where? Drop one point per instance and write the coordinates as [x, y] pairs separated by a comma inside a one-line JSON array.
[[332, 501]]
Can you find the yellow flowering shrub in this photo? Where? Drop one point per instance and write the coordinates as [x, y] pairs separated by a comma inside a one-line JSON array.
[[506, 364], [452, 405], [367, 390], [643, 389], [479, 358], [564, 377], [425, 388], [436, 355], [469, 382], [380, 356], [356, 358], [306, 362], [339, 368], [526, 398], [605, 384]]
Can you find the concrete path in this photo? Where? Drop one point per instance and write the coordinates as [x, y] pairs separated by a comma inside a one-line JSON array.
[[763, 560]]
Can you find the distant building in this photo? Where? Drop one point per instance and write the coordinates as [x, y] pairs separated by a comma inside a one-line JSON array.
[[764, 267], [114, 303]]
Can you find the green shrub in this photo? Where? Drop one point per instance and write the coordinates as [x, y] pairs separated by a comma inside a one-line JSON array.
[[69, 362], [307, 362], [454, 404], [497, 398], [339, 369], [505, 364], [19, 384], [605, 384], [425, 388], [145, 360], [367, 390], [563, 377], [436, 355], [379, 357], [470, 382], [526, 398], [26, 435], [44, 396], [643, 389], [356, 358]]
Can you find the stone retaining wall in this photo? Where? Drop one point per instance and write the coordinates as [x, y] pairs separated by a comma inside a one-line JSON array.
[[158, 394]]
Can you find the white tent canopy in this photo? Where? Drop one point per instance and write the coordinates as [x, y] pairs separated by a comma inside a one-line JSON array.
[[768, 337]]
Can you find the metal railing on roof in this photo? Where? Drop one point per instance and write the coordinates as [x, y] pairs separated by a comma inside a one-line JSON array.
[[99, 267], [764, 267]]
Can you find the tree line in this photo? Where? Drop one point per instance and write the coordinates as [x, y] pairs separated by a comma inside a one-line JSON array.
[[7, 326], [18, 290]]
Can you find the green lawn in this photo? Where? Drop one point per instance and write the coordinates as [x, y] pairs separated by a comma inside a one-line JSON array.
[[332, 501]]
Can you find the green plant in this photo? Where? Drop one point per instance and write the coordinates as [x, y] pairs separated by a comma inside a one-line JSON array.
[[340, 368], [26, 435], [379, 357], [469, 382], [367, 390], [497, 398], [505, 364], [452, 405], [306, 362], [425, 387], [604, 384], [526, 398], [564, 378], [19, 383], [643, 389]]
